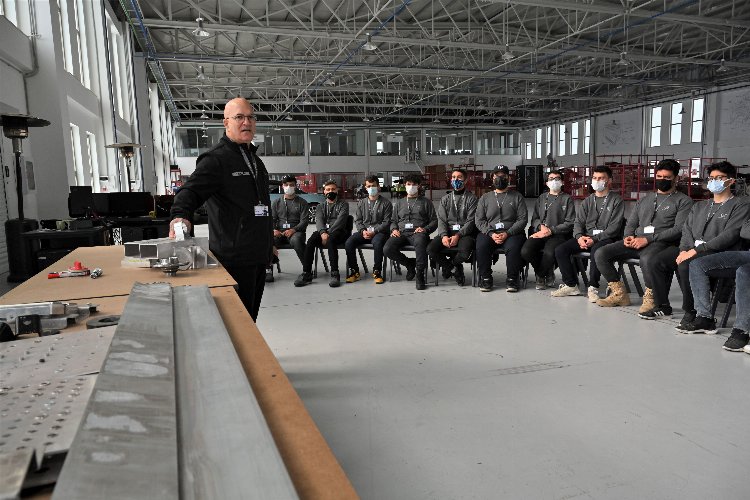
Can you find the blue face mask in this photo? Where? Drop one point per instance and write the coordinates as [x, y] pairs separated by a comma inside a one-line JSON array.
[[716, 186], [457, 184]]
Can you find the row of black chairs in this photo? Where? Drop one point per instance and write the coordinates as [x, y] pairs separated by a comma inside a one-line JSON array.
[[724, 286]]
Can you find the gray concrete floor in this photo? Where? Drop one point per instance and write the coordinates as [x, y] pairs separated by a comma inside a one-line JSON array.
[[454, 393]]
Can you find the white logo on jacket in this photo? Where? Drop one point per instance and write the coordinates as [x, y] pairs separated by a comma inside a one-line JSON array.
[[237, 174]]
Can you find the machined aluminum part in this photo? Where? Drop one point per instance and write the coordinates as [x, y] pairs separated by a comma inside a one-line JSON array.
[[8, 313]]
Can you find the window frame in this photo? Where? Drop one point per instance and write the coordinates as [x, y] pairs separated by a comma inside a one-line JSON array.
[[698, 121], [561, 139], [675, 124], [574, 138], [655, 138], [587, 136]]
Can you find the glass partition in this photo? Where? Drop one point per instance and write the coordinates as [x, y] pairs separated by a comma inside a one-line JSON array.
[[284, 142], [497, 143], [333, 142], [449, 142], [392, 142]]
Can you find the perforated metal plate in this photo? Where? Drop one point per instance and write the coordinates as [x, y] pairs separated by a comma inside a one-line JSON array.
[[36, 360], [43, 416]]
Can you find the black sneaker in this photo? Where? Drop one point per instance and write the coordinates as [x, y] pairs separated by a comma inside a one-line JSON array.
[[737, 340], [411, 269], [458, 273], [446, 271], [485, 284], [335, 280], [541, 283], [656, 313], [269, 274], [303, 279], [511, 285], [700, 325], [421, 279], [686, 320], [550, 280]]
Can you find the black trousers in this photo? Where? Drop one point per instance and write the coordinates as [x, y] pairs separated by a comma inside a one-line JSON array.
[[251, 280], [437, 251], [392, 248], [297, 241], [356, 240], [608, 255], [540, 253], [663, 265], [314, 242], [486, 246], [563, 256]]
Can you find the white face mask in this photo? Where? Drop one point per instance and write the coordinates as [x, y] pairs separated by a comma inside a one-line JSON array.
[[599, 186], [372, 191], [554, 185], [288, 190], [411, 189]]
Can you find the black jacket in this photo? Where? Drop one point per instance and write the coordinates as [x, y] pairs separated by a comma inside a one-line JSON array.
[[224, 182]]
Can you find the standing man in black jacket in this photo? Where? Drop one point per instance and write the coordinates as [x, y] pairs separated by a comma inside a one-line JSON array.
[[233, 182]]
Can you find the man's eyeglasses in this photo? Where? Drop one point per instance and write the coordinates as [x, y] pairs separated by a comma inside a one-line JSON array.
[[242, 118]]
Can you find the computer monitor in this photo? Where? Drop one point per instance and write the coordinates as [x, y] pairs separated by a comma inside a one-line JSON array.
[[130, 204], [80, 201]]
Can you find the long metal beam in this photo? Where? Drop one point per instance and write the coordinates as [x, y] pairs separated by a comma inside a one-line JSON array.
[[226, 448], [612, 8], [416, 71], [438, 44], [126, 446], [370, 91]]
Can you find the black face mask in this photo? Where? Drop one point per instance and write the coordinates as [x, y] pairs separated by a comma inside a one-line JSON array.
[[500, 182], [331, 196], [663, 184]]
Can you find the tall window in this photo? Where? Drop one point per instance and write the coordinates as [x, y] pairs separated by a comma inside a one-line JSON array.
[[587, 136], [83, 54], [549, 140], [561, 140], [675, 129], [62, 18], [696, 134], [528, 150], [574, 138], [75, 140], [656, 126], [93, 161], [538, 143]]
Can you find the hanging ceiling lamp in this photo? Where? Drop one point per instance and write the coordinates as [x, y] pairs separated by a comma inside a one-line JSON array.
[[369, 46], [199, 31]]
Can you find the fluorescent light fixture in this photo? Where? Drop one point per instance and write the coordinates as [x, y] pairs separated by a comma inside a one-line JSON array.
[[199, 31]]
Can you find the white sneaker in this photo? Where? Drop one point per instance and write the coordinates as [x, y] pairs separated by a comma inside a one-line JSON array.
[[746, 348], [566, 291], [593, 294]]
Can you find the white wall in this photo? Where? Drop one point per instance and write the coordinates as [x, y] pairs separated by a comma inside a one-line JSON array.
[[726, 132]]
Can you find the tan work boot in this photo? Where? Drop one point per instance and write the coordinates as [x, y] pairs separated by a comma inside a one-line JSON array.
[[617, 296], [648, 301]]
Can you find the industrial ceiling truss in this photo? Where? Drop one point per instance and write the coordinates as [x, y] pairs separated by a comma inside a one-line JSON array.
[[516, 63]]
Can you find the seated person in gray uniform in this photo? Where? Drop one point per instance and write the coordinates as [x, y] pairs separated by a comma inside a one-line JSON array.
[[712, 226], [330, 231], [290, 220], [372, 222], [501, 221], [456, 228], [599, 221], [552, 223], [737, 264], [654, 225], [413, 220]]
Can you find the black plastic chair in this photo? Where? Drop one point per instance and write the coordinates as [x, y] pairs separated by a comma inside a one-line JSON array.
[[501, 251], [454, 251], [724, 283]]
